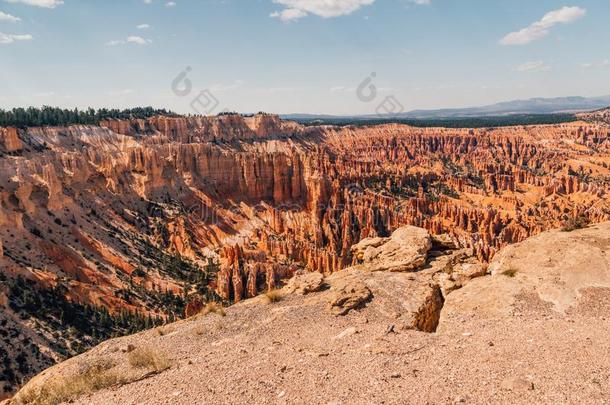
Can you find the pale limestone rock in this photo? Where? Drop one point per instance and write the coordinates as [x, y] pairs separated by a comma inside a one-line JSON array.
[[347, 295], [444, 241], [405, 250], [306, 283], [346, 333], [551, 270]]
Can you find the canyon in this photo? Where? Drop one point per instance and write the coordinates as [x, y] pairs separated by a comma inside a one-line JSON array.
[[148, 220]]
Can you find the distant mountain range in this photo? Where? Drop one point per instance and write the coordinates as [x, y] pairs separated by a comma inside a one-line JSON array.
[[515, 107]]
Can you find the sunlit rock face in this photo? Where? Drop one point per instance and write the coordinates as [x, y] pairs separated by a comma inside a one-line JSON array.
[[111, 213]]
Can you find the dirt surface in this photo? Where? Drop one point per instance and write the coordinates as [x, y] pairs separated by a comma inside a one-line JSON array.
[[293, 353]]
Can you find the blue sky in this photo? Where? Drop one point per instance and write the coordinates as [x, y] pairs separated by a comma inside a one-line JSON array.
[[306, 56]]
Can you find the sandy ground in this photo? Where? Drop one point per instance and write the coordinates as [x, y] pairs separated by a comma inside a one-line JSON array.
[[294, 353]]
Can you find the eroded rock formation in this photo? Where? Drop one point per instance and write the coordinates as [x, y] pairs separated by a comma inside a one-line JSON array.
[[135, 216]]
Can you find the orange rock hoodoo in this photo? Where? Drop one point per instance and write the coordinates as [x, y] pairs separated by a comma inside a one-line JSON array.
[[267, 197]]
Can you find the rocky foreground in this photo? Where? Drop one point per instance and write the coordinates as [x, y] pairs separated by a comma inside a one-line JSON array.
[[415, 321]]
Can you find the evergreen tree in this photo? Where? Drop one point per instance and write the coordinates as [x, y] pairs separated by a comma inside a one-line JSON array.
[[53, 116]]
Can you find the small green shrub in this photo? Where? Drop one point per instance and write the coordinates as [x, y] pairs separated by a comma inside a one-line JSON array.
[[573, 224]]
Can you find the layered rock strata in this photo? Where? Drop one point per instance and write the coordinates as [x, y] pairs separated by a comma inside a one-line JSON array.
[[143, 216]]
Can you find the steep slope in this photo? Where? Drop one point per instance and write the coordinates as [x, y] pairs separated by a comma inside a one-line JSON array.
[[353, 336], [106, 230]]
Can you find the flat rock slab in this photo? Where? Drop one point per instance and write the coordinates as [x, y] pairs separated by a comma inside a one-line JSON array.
[[551, 271]]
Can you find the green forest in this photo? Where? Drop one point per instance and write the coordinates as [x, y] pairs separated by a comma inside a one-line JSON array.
[[53, 116], [453, 122]]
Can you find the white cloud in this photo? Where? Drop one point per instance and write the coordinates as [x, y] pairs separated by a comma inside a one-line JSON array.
[[147, 1], [541, 28], [8, 17], [219, 87], [603, 64], [295, 9], [11, 38], [132, 39], [39, 3], [536, 66], [289, 14], [143, 26], [170, 4]]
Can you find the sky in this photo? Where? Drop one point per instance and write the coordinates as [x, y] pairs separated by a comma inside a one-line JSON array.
[[300, 56]]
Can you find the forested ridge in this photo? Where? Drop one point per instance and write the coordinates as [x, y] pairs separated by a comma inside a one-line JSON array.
[[54, 116]]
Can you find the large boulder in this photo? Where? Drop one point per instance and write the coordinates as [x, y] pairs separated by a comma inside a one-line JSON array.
[[305, 283], [405, 250], [405, 281]]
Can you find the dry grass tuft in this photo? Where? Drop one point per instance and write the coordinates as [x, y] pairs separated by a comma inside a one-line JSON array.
[[93, 378], [199, 330], [213, 308], [144, 357], [273, 296], [510, 272], [164, 330]]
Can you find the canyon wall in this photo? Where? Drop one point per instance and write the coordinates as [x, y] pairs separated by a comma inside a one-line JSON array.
[[144, 216]]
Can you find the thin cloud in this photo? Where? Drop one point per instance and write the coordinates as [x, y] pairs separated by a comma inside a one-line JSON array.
[[8, 17], [39, 3], [296, 9], [603, 64], [219, 87], [541, 28], [143, 26], [6, 39], [340, 89], [170, 4], [536, 66], [132, 39]]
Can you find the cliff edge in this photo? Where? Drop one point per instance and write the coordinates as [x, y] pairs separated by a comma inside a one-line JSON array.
[[416, 320]]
